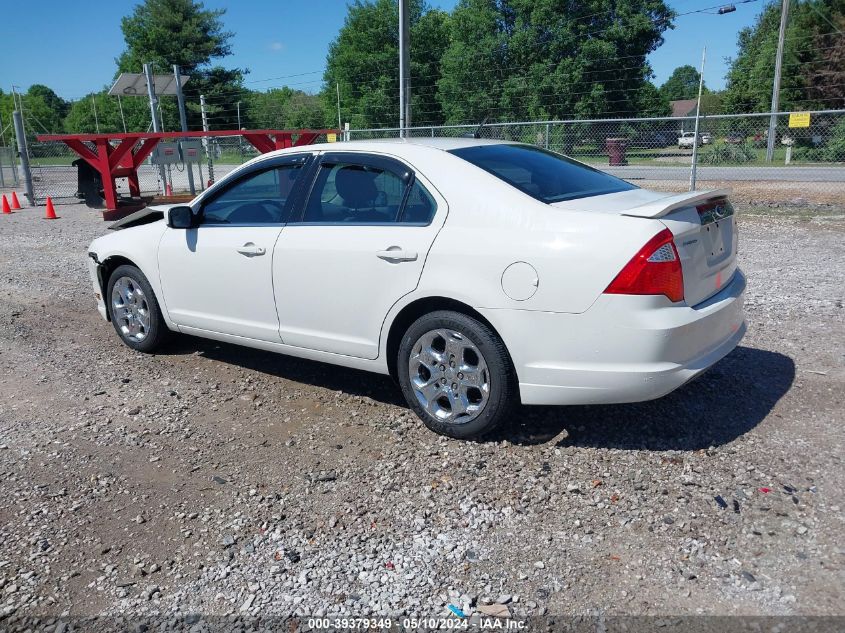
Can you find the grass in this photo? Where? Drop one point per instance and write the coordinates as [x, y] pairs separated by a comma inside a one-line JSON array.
[[650, 156]]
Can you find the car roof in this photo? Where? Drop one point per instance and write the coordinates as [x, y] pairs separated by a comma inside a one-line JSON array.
[[444, 143], [394, 144]]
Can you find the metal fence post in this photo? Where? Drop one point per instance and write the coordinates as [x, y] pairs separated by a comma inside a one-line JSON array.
[[183, 121], [694, 165], [151, 93], [548, 133], [14, 165], [22, 151], [209, 147]]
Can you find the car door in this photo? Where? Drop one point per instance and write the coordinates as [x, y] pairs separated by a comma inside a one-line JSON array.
[[218, 276], [358, 246]]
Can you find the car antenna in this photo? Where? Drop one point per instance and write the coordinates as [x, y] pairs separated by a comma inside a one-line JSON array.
[[477, 133]]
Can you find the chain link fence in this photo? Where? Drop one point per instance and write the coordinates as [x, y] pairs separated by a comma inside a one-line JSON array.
[[55, 173], [8, 167], [807, 163]]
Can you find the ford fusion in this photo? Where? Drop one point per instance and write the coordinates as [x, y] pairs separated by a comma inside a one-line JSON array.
[[479, 274]]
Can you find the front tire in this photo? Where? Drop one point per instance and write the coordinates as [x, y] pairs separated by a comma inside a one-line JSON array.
[[456, 375], [134, 310]]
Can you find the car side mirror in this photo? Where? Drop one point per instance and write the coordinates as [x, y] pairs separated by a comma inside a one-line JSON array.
[[181, 217]]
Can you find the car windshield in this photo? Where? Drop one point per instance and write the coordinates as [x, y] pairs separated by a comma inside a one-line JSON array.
[[541, 174]]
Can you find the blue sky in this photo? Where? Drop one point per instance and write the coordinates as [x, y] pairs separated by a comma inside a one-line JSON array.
[[73, 50]]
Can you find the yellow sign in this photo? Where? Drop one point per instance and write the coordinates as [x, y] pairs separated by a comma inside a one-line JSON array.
[[331, 137], [799, 119]]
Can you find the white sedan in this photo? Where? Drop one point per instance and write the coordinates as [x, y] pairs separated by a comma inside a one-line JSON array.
[[477, 273]]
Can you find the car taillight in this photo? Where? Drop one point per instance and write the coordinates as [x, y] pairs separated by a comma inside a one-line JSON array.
[[654, 270]]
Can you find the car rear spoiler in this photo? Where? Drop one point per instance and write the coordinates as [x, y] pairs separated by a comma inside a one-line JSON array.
[[663, 206]]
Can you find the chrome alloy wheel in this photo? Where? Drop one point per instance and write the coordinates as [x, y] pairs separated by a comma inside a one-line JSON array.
[[130, 309], [449, 376]]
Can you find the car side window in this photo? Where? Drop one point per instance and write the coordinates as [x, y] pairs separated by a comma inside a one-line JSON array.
[[419, 207], [355, 193], [257, 199]]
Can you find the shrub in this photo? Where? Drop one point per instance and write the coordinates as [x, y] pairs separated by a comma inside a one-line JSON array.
[[832, 151], [725, 153]]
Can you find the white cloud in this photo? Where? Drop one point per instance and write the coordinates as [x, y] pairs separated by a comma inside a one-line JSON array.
[[277, 46]]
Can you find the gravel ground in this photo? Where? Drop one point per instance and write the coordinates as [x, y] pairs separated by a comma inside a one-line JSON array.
[[219, 480]]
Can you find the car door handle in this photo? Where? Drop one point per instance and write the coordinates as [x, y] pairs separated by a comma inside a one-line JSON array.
[[396, 254], [251, 250]]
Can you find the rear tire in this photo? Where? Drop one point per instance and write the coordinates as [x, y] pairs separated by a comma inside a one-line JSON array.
[[456, 375], [134, 310]]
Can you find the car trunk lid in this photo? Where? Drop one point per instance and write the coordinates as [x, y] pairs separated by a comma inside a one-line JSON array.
[[703, 225]]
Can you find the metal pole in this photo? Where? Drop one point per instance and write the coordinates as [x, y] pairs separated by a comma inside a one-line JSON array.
[[24, 156], [183, 121], [240, 138], [773, 121], [339, 124], [205, 142], [17, 103], [96, 120], [694, 167], [122, 120], [151, 91], [404, 67]]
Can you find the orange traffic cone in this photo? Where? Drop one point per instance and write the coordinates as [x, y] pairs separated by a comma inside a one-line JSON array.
[[15, 204], [168, 190], [6, 208], [50, 213]]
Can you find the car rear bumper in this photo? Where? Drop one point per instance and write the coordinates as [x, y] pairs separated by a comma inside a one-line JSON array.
[[623, 349]]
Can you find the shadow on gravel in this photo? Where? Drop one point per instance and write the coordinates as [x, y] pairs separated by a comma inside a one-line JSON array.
[[727, 401], [352, 381]]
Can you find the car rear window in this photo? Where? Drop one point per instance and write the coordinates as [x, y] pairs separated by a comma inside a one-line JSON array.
[[542, 174]]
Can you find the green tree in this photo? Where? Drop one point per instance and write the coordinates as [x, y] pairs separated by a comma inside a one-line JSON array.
[[364, 62], [81, 119], [303, 110], [530, 59], [42, 112], [167, 32], [6, 108], [651, 101], [470, 89], [53, 101], [183, 32], [813, 59], [283, 108], [713, 102], [682, 84]]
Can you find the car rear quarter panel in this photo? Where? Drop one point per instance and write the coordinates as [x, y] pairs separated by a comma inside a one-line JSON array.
[[491, 225]]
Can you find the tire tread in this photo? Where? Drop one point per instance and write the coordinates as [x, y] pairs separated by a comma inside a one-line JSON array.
[[494, 351], [159, 332]]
